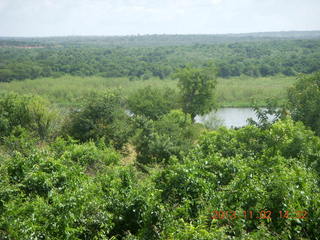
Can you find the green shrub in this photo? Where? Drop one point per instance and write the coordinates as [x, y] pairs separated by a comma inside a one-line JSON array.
[[284, 138], [30, 112], [101, 115], [46, 194], [91, 156], [20, 140], [39, 172], [76, 214], [181, 230], [248, 170], [135, 205], [158, 141]]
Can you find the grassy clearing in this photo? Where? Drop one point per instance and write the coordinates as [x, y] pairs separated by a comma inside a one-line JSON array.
[[233, 92], [239, 92], [67, 90]]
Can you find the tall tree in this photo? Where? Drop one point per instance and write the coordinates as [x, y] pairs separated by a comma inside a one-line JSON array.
[[304, 101], [153, 103], [197, 89]]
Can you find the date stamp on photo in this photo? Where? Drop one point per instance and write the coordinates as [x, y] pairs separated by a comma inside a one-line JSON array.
[[263, 214]]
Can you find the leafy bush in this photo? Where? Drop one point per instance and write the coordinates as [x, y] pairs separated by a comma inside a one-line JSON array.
[[158, 141], [90, 155], [180, 230], [20, 140], [133, 203], [101, 115], [76, 214], [284, 138], [30, 112], [265, 172], [46, 193]]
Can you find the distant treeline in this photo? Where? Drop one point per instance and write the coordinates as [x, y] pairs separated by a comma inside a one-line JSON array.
[[155, 40], [261, 56]]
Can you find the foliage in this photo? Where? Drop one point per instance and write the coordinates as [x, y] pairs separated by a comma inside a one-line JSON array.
[[48, 194], [268, 115], [93, 156], [101, 115], [181, 230], [70, 213], [20, 140], [248, 170], [152, 103], [196, 86], [68, 91], [69, 190], [284, 138], [56, 186], [304, 101], [134, 205], [157, 141], [30, 112], [142, 57]]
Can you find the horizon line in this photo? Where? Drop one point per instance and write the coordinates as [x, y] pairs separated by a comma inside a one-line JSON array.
[[160, 34]]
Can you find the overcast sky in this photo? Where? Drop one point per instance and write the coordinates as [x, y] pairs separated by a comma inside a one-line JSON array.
[[130, 17]]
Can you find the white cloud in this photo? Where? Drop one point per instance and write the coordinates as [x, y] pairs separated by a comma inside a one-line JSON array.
[[3, 5], [215, 2], [113, 17]]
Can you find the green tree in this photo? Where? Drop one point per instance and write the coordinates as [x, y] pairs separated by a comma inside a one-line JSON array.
[[304, 101], [197, 89], [152, 102]]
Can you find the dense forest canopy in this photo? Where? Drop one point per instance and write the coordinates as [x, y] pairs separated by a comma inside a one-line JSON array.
[[156, 40], [142, 57]]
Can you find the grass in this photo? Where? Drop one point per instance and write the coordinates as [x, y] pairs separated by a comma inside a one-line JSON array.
[[240, 91], [233, 92], [67, 90]]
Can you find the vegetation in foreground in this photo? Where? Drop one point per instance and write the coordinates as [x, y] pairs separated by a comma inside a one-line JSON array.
[[67, 178]]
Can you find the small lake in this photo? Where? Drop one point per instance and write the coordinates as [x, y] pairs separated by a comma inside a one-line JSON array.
[[229, 117]]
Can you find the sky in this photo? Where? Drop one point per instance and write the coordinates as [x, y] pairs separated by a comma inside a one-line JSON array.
[[35, 18]]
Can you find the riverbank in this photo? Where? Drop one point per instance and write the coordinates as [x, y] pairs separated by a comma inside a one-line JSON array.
[[230, 92]]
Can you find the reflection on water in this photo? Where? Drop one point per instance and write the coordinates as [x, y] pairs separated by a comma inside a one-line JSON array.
[[229, 117]]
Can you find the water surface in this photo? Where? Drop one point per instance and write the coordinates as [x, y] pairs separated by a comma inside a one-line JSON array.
[[229, 117]]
